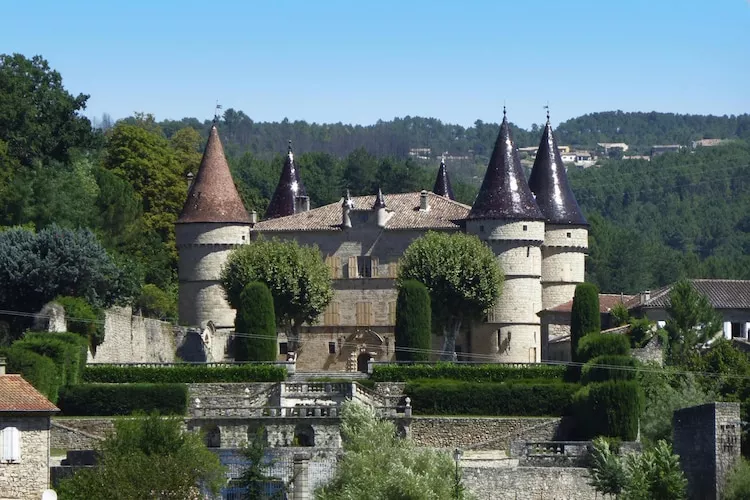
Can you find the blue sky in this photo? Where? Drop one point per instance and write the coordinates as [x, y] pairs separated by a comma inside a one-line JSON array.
[[360, 61]]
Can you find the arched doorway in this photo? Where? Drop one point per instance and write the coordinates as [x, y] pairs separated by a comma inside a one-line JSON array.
[[212, 436], [362, 361], [304, 435]]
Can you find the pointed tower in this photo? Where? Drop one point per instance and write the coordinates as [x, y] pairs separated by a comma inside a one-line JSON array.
[[506, 217], [443, 183], [566, 230], [290, 196], [211, 223]]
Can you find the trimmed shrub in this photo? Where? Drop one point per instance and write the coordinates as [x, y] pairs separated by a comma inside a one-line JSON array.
[[123, 399], [68, 350], [255, 325], [185, 374], [584, 316], [153, 302], [83, 319], [36, 369], [469, 373], [413, 322], [610, 409], [448, 397], [603, 368], [594, 345]]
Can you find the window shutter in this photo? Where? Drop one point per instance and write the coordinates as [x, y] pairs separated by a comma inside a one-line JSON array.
[[329, 265], [353, 266], [15, 445], [368, 314], [392, 313], [374, 265], [358, 314], [336, 266], [335, 313], [393, 269]]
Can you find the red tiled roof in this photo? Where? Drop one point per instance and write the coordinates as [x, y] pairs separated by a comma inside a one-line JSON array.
[[17, 395], [443, 214], [606, 302]]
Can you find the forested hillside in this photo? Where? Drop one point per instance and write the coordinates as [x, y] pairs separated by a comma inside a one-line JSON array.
[[651, 222]]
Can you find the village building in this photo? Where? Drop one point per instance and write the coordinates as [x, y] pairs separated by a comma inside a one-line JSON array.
[[536, 230], [24, 438]]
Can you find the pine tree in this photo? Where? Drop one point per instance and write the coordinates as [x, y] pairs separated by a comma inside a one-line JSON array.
[[255, 325], [413, 322], [584, 317]]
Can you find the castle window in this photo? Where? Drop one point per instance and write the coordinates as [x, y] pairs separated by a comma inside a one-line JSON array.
[[525, 227], [528, 251], [331, 347], [283, 348], [364, 266], [570, 235], [481, 229]]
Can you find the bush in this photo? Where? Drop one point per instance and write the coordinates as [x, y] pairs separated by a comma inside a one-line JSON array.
[[584, 316], [36, 369], [153, 302], [123, 399], [603, 368], [186, 374], [469, 373], [255, 325], [738, 482], [67, 350], [448, 397], [594, 345], [83, 319], [413, 322], [610, 409]]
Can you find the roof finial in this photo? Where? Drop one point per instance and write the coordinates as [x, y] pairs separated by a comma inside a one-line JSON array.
[[547, 108], [289, 150], [216, 111], [442, 159], [504, 112]]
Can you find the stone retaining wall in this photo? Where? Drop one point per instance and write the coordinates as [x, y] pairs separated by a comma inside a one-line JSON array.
[[534, 483], [79, 433], [481, 432]]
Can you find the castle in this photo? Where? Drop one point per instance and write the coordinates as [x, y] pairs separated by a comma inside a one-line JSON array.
[[536, 229]]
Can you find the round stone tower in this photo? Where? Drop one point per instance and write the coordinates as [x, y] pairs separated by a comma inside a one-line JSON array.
[[506, 217], [566, 230], [212, 222]]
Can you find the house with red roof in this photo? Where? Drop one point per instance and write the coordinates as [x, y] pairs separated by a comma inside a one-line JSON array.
[[24, 438]]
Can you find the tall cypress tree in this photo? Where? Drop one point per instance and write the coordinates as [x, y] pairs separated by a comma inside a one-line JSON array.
[[255, 324], [413, 322], [584, 317]]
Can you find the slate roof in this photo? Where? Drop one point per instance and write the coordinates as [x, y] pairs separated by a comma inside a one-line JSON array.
[[504, 193], [443, 214], [213, 196], [17, 395], [289, 187], [443, 183], [722, 294], [606, 302], [549, 183]]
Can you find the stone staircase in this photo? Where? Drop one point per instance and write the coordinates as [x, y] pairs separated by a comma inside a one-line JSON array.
[[305, 376]]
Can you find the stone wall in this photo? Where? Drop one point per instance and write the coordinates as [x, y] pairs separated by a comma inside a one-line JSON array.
[[483, 433], [135, 339], [79, 433], [533, 483], [27, 479]]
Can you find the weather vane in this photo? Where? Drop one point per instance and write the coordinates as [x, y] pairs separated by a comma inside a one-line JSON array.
[[547, 108], [216, 111]]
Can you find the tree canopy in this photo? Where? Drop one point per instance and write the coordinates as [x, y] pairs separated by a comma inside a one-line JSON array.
[[148, 457], [299, 280], [462, 275], [691, 321], [378, 465]]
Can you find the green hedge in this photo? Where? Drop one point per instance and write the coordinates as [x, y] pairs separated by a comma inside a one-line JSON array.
[[83, 319], [66, 350], [184, 374], [603, 368], [469, 373], [610, 409], [79, 354], [36, 369], [593, 345], [448, 397], [123, 399]]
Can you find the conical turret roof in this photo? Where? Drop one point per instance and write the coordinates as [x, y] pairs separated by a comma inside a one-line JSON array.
[[213, 196], [549, 182], [443, 183], [504, 193], [290, 186]]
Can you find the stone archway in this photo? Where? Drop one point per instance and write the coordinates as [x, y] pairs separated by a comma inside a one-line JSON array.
[[212, 436], [304, 435], [362, 361]]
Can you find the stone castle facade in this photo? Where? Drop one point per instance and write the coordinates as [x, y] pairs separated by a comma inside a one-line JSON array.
[[535, 228]]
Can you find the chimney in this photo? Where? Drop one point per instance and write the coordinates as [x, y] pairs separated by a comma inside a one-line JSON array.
[[424, 204], [253, 217], [301, 204], [645, 296], [346, 207], [2, 366]]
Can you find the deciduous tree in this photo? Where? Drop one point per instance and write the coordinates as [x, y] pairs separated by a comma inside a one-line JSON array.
[[462, 275]]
